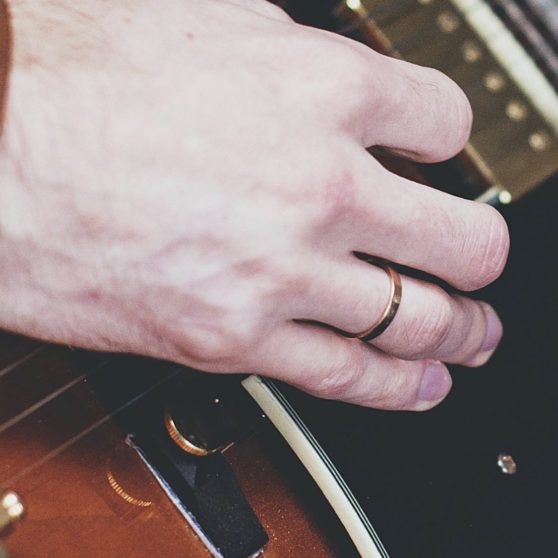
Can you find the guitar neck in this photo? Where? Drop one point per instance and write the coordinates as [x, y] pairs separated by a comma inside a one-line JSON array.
[[503, 54]]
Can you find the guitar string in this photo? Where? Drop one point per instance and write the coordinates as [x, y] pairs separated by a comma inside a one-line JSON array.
[[22, 360], [50, 397], [76, 438]]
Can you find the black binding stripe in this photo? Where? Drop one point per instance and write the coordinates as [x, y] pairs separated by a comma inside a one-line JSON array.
[[282, 400]]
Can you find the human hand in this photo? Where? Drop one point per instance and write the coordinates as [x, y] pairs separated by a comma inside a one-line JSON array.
[[188, 179]]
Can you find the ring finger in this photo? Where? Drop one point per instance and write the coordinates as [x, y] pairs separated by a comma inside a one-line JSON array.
[[430, 323]]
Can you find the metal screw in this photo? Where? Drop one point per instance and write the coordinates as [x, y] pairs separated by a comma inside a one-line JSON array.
[[507, 464]]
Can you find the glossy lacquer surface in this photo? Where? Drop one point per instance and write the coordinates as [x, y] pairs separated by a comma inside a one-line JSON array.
[[87, 493]]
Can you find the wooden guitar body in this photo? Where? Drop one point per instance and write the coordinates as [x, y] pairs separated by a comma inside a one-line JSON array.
[[86, 491]]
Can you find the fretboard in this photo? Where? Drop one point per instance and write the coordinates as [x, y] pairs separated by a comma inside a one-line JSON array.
[[504, 59]]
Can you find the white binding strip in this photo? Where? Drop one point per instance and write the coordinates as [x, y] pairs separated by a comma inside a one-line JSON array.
[[512, 56], [318, 465]]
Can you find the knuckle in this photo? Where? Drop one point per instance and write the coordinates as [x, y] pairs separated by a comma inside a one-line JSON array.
[[491, 252], [447, 100], [215, 347], [340, 380], [461, 119], [274, 11], [339, 194], [397, 392], [352, 76], [428, 332], [464, 118]]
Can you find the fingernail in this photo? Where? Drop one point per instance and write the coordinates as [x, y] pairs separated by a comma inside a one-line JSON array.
[[494, 330], [436, 382]]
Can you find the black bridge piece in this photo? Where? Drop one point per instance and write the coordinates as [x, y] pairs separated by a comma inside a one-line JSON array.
[[208, 495], [207, 410]]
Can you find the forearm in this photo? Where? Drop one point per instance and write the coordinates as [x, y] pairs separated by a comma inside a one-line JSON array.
[[40, 146]]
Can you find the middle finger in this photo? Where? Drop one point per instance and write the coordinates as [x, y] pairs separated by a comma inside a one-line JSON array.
[[465, 243]]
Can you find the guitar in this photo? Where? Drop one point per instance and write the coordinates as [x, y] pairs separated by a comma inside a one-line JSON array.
[[117, 456]]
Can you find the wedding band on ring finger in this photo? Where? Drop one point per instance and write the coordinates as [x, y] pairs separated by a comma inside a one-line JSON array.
[[430, 322], [392, 306]]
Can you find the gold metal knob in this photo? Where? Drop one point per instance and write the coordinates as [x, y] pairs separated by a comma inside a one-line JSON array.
[[11, 509], [191, 442], [13, 505]]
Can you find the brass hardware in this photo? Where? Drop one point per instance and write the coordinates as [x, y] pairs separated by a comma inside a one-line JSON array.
[[507, 464], [494, 81], [190, 443], [11, 509], [516, 110], [539, 141], [447, 22], [471, 52], [117, 487]]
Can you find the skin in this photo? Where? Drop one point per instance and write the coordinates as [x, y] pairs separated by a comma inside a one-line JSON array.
[[187, 179]]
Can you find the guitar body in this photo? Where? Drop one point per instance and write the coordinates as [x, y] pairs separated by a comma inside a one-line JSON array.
[[474, 477], [86, 491]]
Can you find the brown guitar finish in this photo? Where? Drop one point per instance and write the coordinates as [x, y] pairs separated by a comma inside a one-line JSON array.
[[94, 497]]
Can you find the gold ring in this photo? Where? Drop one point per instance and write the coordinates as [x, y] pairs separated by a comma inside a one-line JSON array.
[[391, 308]]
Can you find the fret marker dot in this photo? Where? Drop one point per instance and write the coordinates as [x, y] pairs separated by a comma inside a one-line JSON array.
[[539, 141], [494, 81], [447, 22], [516, 111], [471, 52]]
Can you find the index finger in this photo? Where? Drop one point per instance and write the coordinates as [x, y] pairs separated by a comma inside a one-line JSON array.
[[412, 110]]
